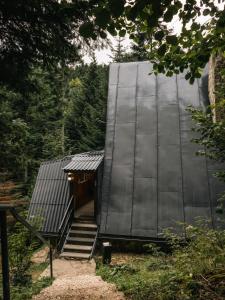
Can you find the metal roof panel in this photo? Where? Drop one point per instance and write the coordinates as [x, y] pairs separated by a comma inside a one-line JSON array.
[[87, 161], [50, 196]]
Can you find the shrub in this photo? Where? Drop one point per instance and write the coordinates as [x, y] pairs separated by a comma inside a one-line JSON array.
[[193, 270], [21, 247], [27, 291]]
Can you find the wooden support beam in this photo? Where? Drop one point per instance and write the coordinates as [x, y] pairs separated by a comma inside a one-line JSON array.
[[5, 259]]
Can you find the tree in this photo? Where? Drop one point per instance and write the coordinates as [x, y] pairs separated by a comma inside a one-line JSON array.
[[46, 31], [118, 52], [211, 131], [138, 47], [85, 119], [14, 133], [169, 52], [211, 135], [21, 247], [41, 32], [31, 123]]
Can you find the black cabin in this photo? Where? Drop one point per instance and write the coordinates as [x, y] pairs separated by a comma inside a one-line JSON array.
[[147, 179]]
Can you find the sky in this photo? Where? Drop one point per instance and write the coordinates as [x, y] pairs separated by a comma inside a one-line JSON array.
[[103, 56]]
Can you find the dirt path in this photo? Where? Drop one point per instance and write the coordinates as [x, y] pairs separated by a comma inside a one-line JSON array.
[[76, 280]]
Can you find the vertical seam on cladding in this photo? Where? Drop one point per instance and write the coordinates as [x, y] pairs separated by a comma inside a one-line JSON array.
[[99, 202], [134, 161], [114, 129], [157, 154], [181, 153], [207, 170]]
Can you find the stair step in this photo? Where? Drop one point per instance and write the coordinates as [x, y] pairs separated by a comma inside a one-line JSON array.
[[85, 219], [83, 226], [84, 222], [82, 233], [75, 255], [77, 248], [80, 240]]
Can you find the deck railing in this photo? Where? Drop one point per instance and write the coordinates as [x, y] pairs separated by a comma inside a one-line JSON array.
[[66, 223], [94, 244]]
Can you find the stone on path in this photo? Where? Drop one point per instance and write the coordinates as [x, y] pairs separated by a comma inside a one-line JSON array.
[[40, 256], [76, 280]]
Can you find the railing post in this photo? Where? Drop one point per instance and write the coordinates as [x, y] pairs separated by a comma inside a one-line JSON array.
[[50, 260], [5, 261]]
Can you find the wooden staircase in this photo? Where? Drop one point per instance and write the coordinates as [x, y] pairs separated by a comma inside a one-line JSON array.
[[80, 239]]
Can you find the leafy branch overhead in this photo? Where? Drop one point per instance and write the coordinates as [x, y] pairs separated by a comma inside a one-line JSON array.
[[42, 32], [170, 52], [50, 31]]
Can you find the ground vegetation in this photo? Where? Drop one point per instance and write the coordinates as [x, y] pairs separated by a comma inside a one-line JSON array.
[[193, 270]]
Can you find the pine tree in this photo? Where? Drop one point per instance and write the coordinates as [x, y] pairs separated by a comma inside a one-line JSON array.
[[30, 124], [14, 133], [31, 121], [118, 52], [86, 120]]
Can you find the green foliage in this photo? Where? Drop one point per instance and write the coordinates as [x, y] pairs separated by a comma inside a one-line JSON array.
[[29, 121], [38, 268], [211, 135], [137, 51], [57, 112], [189, 49], [14, 131], [211, 138], [210, 126], [118, 52], [53, 26], [85, 118], [21, 247], [153, 249], [191, 271], [45, 31], [139, 47], [27, 291]]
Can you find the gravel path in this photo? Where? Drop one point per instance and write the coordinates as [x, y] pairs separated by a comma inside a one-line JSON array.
[[76, 280]]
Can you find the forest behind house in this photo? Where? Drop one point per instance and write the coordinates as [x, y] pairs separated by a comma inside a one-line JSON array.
[[57, 112]]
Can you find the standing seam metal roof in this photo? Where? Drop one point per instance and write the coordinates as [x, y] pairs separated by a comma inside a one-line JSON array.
[[88, 161], [152, 176]]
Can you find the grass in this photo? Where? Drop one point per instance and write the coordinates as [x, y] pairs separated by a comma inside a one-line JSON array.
[[194, 271], [37, 269], [26, 291], [24, 274]]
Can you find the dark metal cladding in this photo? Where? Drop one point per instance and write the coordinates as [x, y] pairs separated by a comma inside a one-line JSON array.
[[87, 161], [152, 177], [50, 196]]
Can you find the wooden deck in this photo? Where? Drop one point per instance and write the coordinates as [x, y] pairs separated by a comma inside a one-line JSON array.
[[86, 210]]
